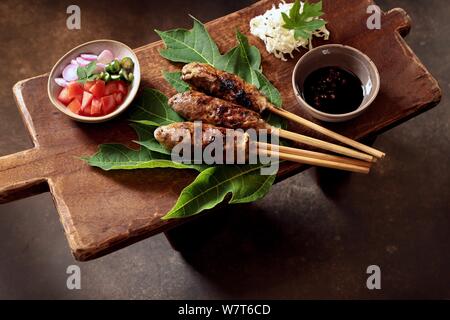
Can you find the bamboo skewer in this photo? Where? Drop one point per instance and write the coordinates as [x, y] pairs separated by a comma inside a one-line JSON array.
[[315, 161], [169, 137], [323, 145], [313, 154], [355, 144]]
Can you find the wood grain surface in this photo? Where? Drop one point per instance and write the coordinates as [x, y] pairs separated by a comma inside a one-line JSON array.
[[103, 211]]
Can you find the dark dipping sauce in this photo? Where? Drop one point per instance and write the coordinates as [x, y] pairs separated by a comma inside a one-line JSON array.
[[333, 90]]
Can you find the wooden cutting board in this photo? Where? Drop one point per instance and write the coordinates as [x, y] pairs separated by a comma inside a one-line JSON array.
[[103, 211]]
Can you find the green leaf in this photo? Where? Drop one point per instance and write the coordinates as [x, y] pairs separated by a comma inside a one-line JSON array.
[[87, 73], [244, 60], [174, 79], [90, 68], [81, 73], [269, 90], [306, 22], [315, 24], [274, 96], [146, 122], [150, 155], [152, 108], [294, 12], [187, 46], [210, 188], [147, 139], [312, 9], [301, 34], [120, 157]]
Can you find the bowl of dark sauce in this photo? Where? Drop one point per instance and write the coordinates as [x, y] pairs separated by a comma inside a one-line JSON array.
[[335, 82]]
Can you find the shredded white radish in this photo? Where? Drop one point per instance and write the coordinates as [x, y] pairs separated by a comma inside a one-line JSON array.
[[278, 40]]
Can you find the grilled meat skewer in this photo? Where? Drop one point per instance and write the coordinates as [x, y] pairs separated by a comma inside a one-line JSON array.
[[230, 87], [171, 135], [224, 85], [196, 106]]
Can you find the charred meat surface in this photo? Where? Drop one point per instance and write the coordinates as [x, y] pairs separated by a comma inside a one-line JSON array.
[[171, 135], [224, 85], [197, 106]]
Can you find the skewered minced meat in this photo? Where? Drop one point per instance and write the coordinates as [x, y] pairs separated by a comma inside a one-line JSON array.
[[224, 85], [171, 135], [197, 106]]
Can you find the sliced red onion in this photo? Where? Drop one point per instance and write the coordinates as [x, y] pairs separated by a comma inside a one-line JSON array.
[[74, 62], [89, 57], [100, 68], [105, 57], [61, 82], [82, 62], [70, 73]]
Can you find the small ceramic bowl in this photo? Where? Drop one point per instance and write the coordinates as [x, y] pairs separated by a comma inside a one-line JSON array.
[[119, 50], [347, 58]]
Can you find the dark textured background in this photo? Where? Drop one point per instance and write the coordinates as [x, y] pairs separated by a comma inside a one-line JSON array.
[[301, 241]]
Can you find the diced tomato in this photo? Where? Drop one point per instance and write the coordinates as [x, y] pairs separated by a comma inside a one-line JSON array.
[[74, 89], [98, 89], [96, 108], [119, 98], [64, 96], [79, 98], [93, 98], [108, 104], [75, 106], [87, 99], [111, 87], [86, 111], [122, 87], [88, 85]]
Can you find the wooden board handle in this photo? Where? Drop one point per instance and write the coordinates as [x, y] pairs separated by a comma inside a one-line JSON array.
[[400, 21], [20, 176]]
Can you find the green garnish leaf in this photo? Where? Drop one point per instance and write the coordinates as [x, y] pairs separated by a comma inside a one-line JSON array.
[[147, 139], [243, 60], [150, 155], [120, 157], [87, 73], [188, 46], [152, 108], [212, 185], [268, 89], [174, 79], [306, 22]]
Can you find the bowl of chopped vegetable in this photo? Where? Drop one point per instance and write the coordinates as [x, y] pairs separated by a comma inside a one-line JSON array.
[[95, 81]]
